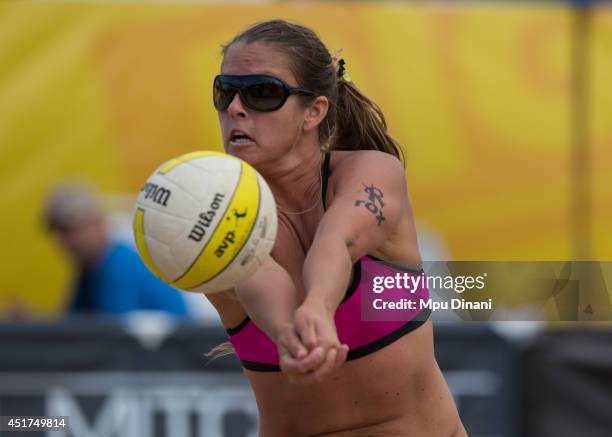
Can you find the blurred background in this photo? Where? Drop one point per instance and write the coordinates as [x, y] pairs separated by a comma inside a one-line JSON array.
[[504, 109]]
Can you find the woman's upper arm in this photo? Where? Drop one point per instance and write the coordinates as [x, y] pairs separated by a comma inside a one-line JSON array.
[[369, 199], [228, 306]]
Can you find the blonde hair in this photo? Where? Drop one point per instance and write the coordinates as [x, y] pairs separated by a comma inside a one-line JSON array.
[[221, 350]]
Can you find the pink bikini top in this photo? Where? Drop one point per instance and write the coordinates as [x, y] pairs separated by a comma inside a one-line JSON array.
[[360, 326]]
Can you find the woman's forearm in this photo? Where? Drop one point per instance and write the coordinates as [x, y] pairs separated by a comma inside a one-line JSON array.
[[327, 271], [270, 298]]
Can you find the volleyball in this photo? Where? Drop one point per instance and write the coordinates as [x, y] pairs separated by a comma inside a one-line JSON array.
[[204, 221]]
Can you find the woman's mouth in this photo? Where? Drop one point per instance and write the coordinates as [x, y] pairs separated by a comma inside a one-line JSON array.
[[240, 139]]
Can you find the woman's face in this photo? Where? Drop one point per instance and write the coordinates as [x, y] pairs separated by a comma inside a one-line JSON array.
[[273, 134]]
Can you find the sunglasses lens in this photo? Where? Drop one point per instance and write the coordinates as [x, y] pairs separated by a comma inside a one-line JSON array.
[[258, 92], [222, 94], [265, 95]]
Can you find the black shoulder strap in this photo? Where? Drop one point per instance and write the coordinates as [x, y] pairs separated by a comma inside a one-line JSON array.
[[325, 177]]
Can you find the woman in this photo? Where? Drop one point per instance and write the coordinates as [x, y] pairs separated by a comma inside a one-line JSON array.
[[282, 102]]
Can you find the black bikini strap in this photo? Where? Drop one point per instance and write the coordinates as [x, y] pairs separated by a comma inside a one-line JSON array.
[[325, 177]]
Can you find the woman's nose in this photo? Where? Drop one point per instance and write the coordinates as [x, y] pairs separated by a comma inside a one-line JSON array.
[[236, 108]]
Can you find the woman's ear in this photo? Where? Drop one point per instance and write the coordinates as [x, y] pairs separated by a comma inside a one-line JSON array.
[[315, 113]]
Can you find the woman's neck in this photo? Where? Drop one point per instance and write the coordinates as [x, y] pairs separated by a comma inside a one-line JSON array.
[[295, 181]]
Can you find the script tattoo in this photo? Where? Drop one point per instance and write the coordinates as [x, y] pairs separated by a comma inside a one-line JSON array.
[[374, 203]]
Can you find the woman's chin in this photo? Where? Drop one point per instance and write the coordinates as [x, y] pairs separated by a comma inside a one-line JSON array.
[[246, 153]]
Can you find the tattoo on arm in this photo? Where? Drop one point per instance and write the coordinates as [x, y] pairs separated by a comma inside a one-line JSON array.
[[374, 202]]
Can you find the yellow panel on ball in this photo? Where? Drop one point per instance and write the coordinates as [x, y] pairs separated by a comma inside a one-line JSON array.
[[230, 235], [187, 157]]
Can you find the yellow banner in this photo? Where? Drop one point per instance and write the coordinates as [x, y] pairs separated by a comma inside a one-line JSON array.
[[479, 95]]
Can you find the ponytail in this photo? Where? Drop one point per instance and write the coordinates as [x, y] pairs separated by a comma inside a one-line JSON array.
[[360, 123]]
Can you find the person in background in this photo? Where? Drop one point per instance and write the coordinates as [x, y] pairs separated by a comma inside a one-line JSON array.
[[111, 277]]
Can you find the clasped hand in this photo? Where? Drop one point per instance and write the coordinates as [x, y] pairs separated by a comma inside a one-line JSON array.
[[309, 348]]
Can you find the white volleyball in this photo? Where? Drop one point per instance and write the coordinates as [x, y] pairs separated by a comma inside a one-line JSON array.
[[205, 221]]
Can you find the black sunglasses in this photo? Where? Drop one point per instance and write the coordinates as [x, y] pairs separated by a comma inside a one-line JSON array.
[[258, 92]]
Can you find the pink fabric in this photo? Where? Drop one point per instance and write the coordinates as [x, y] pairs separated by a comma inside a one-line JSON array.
[[252, 344], [357, 325]]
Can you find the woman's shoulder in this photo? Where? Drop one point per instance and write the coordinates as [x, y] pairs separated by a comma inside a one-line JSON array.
[[354, 159], [350, 164]]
